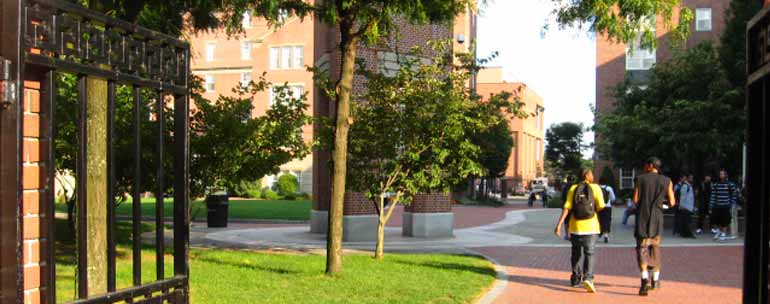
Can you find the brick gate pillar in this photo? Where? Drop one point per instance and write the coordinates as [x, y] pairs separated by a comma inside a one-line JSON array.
[[429, 216], [34, 183]]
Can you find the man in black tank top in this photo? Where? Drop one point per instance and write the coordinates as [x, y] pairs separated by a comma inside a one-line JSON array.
[[651, 192]]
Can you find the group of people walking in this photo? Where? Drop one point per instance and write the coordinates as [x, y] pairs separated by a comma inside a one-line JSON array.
[[587, 210]]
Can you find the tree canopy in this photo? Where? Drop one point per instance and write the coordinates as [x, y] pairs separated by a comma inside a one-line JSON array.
[[564, 151], [688, 114]]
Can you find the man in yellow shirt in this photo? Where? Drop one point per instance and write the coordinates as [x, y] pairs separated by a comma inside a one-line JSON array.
[[584, 200]]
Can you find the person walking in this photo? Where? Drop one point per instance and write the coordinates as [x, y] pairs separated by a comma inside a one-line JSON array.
[[605, 216], [686, 203], [704, 197], [724, 196], [651, 192], [677, 194], [584, 201]]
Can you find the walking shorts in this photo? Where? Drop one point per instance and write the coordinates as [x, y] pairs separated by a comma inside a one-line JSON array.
[[720, 216]]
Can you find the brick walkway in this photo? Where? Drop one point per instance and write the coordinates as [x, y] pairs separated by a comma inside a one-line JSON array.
[[465, 216], [690, 275]]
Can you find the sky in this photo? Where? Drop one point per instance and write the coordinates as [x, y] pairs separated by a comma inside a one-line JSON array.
[[558, 64]]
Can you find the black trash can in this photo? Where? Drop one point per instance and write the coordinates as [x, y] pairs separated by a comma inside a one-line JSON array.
[[217, 205]]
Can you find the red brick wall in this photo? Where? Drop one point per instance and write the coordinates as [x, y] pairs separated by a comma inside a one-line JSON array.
[[430, 203], [358, 204], [33, 181]]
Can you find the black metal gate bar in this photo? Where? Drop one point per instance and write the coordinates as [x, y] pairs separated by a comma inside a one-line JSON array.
[[159, 194], [755, 275], [82, 175], [47, 98], [67, 37], [136, 204], [10, 150], [110, 186]]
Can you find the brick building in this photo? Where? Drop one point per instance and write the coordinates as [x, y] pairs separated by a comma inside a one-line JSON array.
[[614, 61], [224, 62], [527, 157]]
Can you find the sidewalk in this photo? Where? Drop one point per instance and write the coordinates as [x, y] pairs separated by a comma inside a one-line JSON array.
[[521, 240]]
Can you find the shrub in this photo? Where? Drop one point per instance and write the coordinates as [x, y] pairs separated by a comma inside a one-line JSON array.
[[269, 194], [287, 184], [290, 196], [249, 189], [303, 196]]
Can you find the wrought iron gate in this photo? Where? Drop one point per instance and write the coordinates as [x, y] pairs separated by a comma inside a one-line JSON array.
[[44, 37], [755, 279]]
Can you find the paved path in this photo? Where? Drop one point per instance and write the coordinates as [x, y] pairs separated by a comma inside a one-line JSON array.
[[535, 261]]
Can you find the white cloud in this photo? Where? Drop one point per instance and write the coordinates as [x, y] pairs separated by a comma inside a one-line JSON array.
[[559, 64]]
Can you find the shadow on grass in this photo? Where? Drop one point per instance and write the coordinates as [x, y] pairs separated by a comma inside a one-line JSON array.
[[452, 266], [280, 271]]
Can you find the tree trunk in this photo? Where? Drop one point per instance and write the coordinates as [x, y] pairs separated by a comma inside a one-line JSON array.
[[349, 44], [96, 181], [380, 247]]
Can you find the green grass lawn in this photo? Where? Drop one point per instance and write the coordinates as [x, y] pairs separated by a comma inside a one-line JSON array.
[[230, 276], [238, 209]]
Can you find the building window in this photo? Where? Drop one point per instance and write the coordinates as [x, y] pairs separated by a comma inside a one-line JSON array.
[[246, 50], [210, 48], [246, 22], [296, 91], [638, 58], [287, 57], [627, 179], [210, 83], [703, 19], [245, 78]]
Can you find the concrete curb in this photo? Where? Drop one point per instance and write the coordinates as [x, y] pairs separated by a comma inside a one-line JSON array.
[[501, 281]]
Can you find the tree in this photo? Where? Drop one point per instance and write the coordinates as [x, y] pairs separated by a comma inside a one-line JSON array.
[[689, 114], [496, 144], [564, 151], [732, 49], [358, 21], [414, 132], [229, 145]]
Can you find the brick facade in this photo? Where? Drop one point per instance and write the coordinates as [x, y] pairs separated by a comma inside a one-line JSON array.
[[527, 159], [430, 203], [34, 182], [356, 203]]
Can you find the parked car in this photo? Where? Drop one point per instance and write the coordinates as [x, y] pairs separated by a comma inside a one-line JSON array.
[[539, 184], [519, 189]]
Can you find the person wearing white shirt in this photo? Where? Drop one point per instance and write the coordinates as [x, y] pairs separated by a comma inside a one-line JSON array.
[[605, 216]]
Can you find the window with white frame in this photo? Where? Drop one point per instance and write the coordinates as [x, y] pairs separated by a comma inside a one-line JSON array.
[[638, 58], [703, 19], [210, 49], [245, 78], [246, 22], [246, 50], [210, 83], [287, 57], [627, 179], [296, 90]]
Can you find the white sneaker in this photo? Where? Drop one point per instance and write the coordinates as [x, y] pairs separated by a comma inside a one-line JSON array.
[[717, 235], [714, 231], [699, 231], [722, 238]]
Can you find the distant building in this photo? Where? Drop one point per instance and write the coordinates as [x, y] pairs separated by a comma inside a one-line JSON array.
[[615, 61], [527, 157], [224, 62]]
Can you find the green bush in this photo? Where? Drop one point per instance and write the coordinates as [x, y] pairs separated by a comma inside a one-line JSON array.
[[287, 184], [290, 197], [249, 189], [303, 196], [269, 194]]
